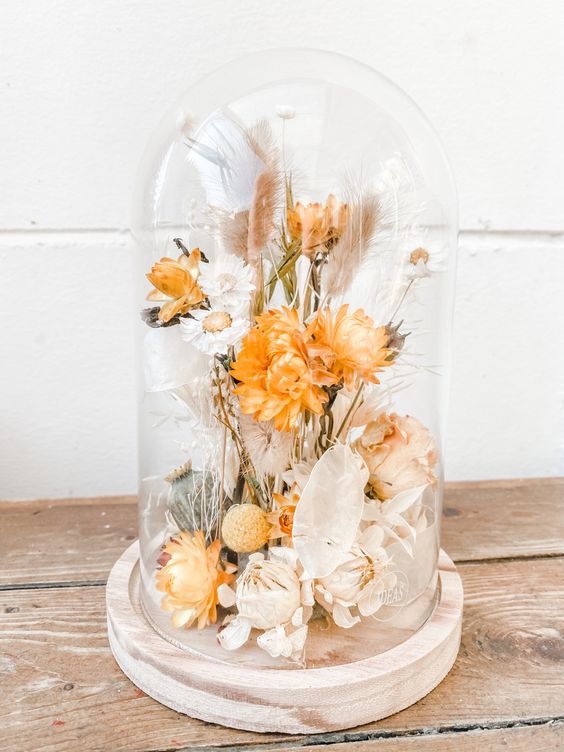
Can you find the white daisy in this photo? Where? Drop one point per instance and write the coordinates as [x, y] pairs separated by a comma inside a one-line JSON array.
[[285, 111], [227, 281], [214, 330], [422, 264]]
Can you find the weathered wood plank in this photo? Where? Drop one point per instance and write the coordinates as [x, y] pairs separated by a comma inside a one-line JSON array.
[[68, 540], [78, 540], [501, 519], [548, 737], [61, 687]]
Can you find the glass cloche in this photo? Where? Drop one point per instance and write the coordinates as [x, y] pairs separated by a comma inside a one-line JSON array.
[[297, 224]]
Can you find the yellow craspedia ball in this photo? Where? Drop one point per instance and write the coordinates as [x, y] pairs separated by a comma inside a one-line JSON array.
[[245, 528]]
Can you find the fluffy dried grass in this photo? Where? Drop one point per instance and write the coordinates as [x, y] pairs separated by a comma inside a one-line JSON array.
[[352, 248]]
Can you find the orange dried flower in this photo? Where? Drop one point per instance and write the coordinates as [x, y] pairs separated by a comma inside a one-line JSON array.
[[316, 225], [175, 283], [276, 381], [282, 518], [349, 345], [190, 577]]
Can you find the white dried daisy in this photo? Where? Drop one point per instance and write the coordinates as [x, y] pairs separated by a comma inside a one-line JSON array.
[[285, 111], [227, 281], [356, 587], [423, 263], [214, 330]]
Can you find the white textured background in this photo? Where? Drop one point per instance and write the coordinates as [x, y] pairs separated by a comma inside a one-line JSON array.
[[82, 86]]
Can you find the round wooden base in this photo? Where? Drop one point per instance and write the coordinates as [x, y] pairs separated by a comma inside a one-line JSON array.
[[276, 699]]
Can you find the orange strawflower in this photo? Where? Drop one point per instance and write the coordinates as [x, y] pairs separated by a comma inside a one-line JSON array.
[[175, 282], [349, 345], [316, 225], [282, 518], [190, 577], [273, 367]]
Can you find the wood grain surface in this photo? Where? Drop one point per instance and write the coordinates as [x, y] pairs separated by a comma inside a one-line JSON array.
[[64, 541], [61, 689], [503, 519]]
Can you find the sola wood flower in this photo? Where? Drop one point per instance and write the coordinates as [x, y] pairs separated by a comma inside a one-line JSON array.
[[271, 598], [317, 226], [359, 582], [214, 330], [175, 283], [399, 452], [192, 576], [402, 518], [349, 345], [276, 380], [327, 517], [227, 281]]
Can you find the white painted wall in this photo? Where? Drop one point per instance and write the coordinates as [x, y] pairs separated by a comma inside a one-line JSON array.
[[83, 85]]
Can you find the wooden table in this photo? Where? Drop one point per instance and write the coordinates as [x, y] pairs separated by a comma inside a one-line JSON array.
[[61, 689]]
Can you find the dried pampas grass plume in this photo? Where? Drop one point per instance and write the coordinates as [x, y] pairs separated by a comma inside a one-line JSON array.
[[234, 232], [351, 250], [247, 232], [261, 215]]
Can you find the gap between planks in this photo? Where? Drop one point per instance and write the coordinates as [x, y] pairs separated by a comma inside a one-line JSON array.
[[348, 737], [53, 585], [102, 583]]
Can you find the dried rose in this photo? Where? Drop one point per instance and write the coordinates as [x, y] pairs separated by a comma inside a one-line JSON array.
[[399, 452]]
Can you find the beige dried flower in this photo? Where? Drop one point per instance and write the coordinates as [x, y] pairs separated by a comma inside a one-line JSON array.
[[399, 452]]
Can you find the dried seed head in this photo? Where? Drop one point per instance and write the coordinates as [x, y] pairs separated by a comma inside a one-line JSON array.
[[245, 528], [396, 339]]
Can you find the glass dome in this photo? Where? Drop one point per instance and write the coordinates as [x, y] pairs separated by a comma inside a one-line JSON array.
[[297, 224]]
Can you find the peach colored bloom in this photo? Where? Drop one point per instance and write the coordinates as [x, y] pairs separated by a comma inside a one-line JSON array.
[[190, 576], [399, 452], [317, 226], [349, 345], [282, 518]]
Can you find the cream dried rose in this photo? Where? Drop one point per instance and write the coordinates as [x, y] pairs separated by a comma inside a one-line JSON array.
[[399, 452]]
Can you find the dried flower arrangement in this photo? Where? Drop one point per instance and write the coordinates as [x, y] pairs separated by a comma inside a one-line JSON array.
[[309, 480]]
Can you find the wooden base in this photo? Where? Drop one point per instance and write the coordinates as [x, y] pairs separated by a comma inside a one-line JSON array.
[[278, 699]]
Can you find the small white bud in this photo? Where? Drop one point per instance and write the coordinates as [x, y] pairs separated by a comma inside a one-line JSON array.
[[285, 111]]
